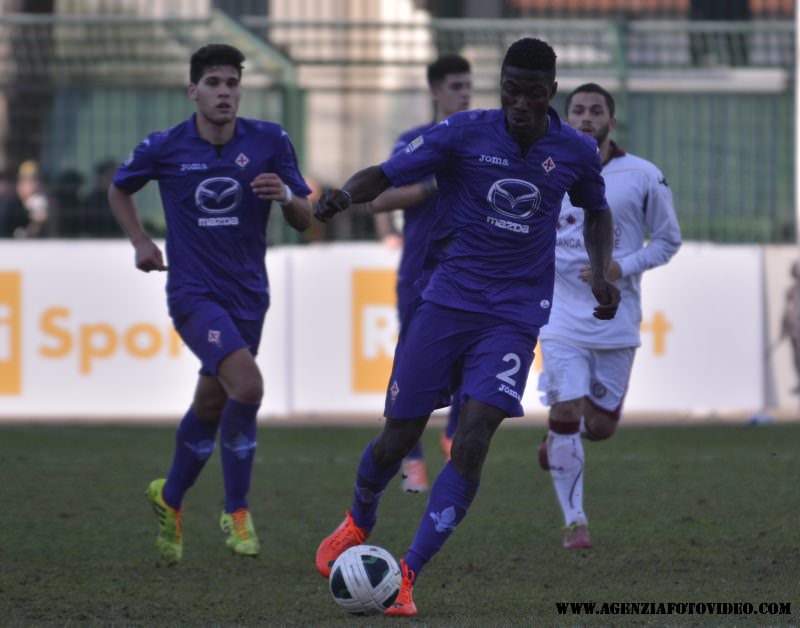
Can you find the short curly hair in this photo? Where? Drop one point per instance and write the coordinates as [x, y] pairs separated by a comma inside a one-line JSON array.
[[212, 55], [530, 53]]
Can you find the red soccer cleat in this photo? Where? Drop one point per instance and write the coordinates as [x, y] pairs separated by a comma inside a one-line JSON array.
[[576, 536], [404, 606], [347, 535]]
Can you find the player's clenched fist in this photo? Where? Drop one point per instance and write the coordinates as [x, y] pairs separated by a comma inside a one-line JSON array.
[[330, 203], [148, 256], [608, 298]]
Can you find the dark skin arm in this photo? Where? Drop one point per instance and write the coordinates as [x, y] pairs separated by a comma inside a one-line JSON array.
[[362, 187], [598, 234]]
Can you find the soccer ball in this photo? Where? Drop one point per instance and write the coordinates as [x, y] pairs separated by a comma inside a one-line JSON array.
[[365, 580]]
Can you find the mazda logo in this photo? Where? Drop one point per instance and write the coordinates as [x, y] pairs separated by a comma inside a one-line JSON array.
[[218, 195], [514, 198]]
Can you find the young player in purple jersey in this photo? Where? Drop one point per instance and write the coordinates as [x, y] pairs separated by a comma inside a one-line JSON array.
[[587, 363], [450, 83], [218, 175], [501, 175]]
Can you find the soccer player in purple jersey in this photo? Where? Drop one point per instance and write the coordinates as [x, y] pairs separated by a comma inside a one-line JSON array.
[[218, 175], [501, 175], [450, 82], [587, 363]]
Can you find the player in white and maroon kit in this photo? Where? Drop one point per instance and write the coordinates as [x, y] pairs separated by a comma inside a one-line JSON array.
[[587, 363]]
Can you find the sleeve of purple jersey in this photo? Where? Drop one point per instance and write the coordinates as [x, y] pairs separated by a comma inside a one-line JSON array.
[[423, 157], [589, 191], [139, 167]]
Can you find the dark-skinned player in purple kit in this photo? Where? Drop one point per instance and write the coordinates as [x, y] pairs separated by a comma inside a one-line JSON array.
[[501, 175]]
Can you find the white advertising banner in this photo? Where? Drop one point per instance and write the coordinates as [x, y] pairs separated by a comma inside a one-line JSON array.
[[90, 334], [83, 334], [345, 327], [702, 339], [702, 333]]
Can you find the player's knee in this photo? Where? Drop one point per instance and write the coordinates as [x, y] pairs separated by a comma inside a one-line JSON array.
[[208, 412], [249, 389], [599, 426], [208, 407], [395, 442]]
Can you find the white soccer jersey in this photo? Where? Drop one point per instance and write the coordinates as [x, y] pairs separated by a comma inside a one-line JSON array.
[[641, 202]]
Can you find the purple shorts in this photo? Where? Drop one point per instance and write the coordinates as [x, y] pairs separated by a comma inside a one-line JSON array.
[[212, 334], [441, 349]]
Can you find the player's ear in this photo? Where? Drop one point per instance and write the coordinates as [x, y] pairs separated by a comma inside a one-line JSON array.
[[612, 123], [192, 91], [554, 90]]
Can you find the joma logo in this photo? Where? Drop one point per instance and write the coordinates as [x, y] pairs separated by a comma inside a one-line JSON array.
[[491, 159]]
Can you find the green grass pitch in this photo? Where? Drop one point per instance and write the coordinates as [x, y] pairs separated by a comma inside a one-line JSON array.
[[678, 514]]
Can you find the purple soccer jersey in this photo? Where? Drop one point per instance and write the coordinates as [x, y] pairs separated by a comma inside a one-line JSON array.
[[495, 231], [216, 226]]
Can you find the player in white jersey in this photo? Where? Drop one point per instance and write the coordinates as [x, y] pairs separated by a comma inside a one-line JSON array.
[[587, 363]]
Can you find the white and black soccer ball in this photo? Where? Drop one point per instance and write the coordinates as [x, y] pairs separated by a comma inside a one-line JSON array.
[[365, 580]]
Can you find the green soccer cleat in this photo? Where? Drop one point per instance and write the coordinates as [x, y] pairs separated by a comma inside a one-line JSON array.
[[242, 538], [169, 541]]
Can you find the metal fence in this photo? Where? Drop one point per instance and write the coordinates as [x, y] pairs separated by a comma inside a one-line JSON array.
[[711, 103], [358, 9]]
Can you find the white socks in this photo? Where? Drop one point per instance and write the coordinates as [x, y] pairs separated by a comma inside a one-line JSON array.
[[565, 457]]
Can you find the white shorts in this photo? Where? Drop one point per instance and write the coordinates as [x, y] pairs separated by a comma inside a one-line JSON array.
[[571, 372]]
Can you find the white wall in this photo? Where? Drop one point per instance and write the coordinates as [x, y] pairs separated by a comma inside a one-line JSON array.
[[85, 335]]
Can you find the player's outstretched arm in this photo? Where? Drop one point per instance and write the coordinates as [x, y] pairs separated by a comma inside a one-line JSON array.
[[398, 199], [148, 256], [404, 196], [362, 187], [598, 234]]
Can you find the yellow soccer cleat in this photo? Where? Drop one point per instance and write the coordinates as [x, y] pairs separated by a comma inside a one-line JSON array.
[[242, 538], [169, 541]]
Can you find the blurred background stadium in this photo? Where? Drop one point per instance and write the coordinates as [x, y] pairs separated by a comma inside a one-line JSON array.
[[705, 90]]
